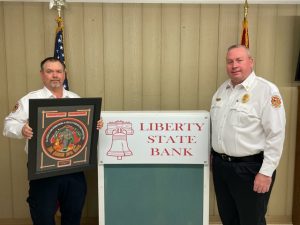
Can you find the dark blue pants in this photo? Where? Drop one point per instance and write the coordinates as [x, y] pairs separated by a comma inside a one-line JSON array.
[[44, 194], [237, 203]]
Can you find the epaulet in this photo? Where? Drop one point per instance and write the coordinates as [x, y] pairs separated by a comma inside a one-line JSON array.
[[33, 93], [272, 86]]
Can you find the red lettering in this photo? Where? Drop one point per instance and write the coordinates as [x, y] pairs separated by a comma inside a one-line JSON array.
[[177, 151], [151, 139], [191, 139], [154, 151], [165, 151], [179, 127], [159, 126], [171, 126], [171, 152], [199, 126], [171, 139], [187, 152]]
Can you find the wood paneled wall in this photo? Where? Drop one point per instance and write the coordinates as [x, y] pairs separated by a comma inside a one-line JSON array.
[[143, 57]]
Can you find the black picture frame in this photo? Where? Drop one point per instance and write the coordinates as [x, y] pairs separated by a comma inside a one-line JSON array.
[[65, 136]]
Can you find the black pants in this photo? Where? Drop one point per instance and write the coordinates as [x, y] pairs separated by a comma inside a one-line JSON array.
[[237, 203], [45, 194]]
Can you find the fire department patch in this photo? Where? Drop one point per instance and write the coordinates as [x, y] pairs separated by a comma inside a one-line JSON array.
[[276, 101], [16, 107], [64, 139]]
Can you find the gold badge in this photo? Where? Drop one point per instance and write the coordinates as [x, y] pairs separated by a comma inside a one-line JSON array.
[[245, 98], [16, 107], [276, 101]]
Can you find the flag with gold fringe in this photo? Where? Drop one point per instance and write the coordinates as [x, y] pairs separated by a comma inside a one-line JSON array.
[[59, 46], [245, 34]]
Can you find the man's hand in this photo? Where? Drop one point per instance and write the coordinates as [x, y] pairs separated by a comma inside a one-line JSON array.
[[27, 131], [262, 183], [99, 124]]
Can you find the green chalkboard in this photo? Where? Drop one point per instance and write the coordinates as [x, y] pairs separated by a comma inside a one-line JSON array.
[[153, 194]]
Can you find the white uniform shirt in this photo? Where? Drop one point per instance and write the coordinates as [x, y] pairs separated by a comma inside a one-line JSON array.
[[15, 121], [247, 119]]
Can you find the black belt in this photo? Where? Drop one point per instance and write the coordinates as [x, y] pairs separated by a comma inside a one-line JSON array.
[[251, 158]]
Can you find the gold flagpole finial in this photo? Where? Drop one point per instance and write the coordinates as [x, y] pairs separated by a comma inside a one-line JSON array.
[[58, 4], [246, 6]]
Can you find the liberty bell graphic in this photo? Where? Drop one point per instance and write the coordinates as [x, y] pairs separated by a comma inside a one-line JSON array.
[[119, 145]]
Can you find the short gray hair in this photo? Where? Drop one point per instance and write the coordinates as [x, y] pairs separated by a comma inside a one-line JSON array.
[[240, 46]]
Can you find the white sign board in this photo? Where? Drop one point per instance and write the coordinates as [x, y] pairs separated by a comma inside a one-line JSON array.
[[164, 137]]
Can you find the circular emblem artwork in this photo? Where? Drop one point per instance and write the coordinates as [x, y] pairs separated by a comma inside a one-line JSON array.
[[64, 139]]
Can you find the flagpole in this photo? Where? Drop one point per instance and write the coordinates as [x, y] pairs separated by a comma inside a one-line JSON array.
[[246, 6], [59, 39]]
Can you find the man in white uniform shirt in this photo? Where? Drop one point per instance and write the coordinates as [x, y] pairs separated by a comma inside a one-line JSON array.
[[248, 129], [44, 194]]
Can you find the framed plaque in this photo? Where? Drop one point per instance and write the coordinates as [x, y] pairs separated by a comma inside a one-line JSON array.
[[65, 136]]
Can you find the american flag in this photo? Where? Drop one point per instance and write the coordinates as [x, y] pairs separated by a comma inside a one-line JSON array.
[[59, 47], [245, 34]]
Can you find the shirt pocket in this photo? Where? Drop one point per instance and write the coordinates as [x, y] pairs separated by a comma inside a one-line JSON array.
[[215, 110], [242, 115]]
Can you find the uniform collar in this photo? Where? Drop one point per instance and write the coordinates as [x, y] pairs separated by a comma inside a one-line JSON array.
[[247, 84], [48, 94]]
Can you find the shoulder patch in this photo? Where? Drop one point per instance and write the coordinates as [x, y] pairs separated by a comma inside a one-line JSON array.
[[16, 107], [276, 101]]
